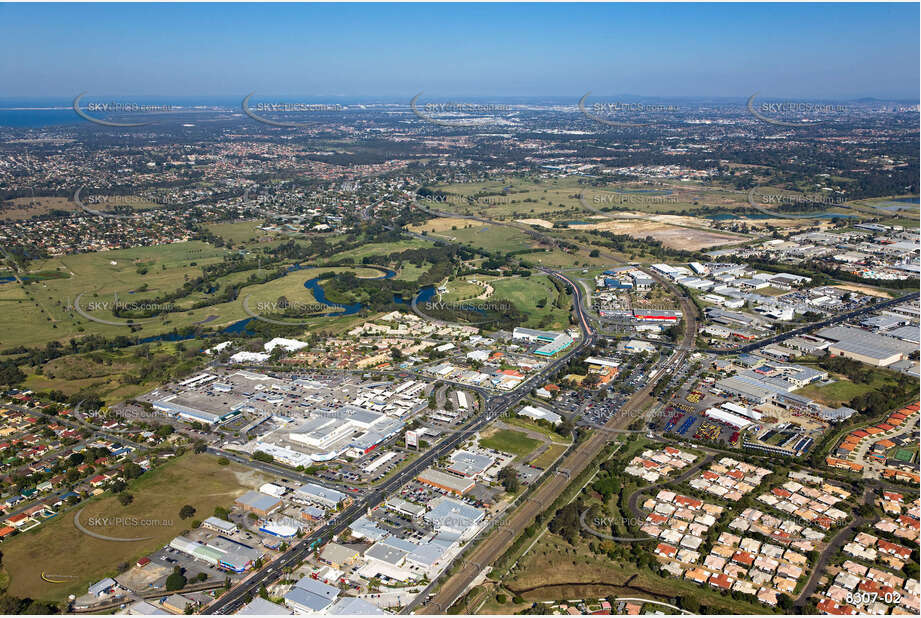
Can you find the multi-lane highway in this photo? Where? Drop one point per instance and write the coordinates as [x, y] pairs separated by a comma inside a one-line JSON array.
[[494, 545], [495, 406], [844, 317], [503, 536]]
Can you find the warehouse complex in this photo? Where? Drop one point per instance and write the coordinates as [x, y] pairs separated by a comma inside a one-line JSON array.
[[871, 348]]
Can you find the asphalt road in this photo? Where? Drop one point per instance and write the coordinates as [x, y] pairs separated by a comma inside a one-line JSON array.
[[496, 406], [502, 538], [833, 546], [637, 513], [811, 327]]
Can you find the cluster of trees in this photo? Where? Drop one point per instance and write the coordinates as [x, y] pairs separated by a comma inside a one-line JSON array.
[[509, 479], [879, 400], [565, 522]]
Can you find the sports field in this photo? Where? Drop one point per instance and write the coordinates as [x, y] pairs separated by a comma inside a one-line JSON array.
[[510, 441]]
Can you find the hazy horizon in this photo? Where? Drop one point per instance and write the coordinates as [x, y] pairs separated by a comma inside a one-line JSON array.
[[794, 51]]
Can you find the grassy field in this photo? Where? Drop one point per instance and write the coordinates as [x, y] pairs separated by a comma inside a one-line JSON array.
[[42, 311], [504, 239], [558, 198], [526, 293], [58, 547], [246, 234], [382, 248], [411, 272], [526, 423], [555, 570], [493, 238], [671, 211], [510, 441], [546, 459], [905, 218], [462, 289], [834, 394]]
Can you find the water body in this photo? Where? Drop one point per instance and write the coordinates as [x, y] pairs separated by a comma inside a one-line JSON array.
[[909, 204], [425, 294], [320, 294], [241, 327], [37, 118], [24, 278], [38, 112], [730, 216], [781, 215]]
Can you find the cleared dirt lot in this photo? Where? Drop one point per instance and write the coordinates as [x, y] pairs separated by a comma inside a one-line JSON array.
[[863, 289], [538, 222], [669, 235]]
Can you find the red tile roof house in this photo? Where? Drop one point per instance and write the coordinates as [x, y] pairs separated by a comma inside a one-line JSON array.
[[665, 550], [874, 588], [98, 480], [744, 558], [655, 518], [780, 492], [893, 549], [691, 503], [827, 606], [909, 522], [18, 521], [823, 521], [721, 581]]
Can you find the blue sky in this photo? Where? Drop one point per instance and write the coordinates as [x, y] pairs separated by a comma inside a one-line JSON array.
[[791, 50]]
